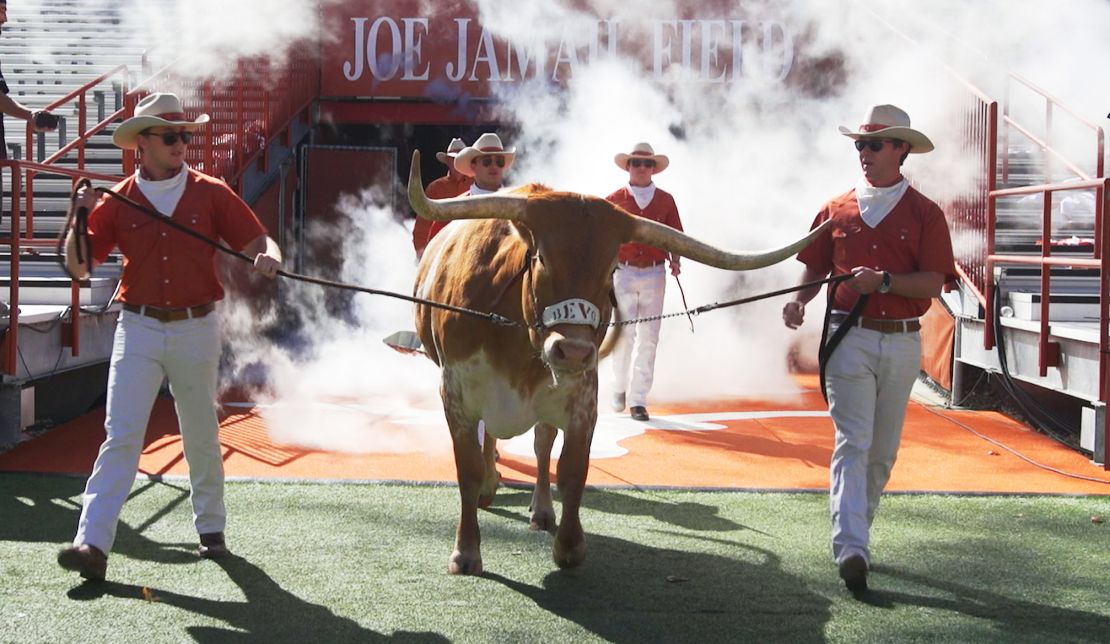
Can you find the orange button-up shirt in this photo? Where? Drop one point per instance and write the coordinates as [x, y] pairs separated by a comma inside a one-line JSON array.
[[442, 188], [662, 208], [913, 237], [164, 267]]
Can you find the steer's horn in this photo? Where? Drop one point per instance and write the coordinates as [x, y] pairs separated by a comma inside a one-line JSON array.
[[497, 206], [668, 239]]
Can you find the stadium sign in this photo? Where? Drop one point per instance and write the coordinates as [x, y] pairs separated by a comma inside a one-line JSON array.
[[406, 49]]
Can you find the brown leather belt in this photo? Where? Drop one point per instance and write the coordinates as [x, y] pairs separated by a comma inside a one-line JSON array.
[[643, 263], [171, 315], [882, 326]]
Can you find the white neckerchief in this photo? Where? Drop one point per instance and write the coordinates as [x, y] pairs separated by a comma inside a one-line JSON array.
[[876, 203], [475, 189], [642, 194], [165, 194]]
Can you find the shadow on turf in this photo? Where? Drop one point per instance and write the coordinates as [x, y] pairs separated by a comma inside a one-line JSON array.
[[683, 514], [48, 513], [268, 614], [1017, 618], [632, 592], [629, 592]]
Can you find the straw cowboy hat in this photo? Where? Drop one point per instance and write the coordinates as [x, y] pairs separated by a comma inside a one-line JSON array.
[[486, 145], [890, 122], [643, 151], [158, 109], [453, 149]]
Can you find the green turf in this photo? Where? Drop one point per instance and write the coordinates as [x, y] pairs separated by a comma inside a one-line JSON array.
[[349, 563]]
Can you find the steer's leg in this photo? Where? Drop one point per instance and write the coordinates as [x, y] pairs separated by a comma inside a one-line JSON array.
[[543, 513], [467, 557], [491, 478], [574, 462]]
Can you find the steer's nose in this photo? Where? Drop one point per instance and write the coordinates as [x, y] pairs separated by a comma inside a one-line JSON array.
[[570, 354]]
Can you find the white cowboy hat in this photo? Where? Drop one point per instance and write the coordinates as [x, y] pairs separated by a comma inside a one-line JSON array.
[[486, 145], [453, 149], [643, 151], [158, 109], [890, 122]]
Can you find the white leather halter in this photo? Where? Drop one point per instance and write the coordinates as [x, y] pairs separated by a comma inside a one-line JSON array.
[[572, 311]]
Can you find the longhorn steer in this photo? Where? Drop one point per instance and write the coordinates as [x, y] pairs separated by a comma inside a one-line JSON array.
[[544, 258]]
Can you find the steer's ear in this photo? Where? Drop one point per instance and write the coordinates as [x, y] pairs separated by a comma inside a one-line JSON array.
[[525, 234]]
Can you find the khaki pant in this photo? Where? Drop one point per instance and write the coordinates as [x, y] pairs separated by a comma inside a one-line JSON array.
[[869, 378], [145, 351]]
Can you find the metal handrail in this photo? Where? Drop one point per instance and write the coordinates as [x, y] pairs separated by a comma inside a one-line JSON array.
[[23, 216], [1048, 353], [71, 335], [1098, 260], [1051, 103], [246, 103], [83, 134]]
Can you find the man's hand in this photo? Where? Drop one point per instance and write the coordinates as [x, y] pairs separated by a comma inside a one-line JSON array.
[[793, 314], [85, 198], [865, 280], [676, 268], [43, 121], [266, 264]]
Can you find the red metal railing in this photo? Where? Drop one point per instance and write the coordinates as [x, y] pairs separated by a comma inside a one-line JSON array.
[[971, 215], [1052, 105], [248, 112], [84, 133], [22, 206], [17, 241], [1049, 352]]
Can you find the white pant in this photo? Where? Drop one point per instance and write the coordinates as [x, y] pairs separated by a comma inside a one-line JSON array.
[[639, 294], [145, 350], [868, 378]]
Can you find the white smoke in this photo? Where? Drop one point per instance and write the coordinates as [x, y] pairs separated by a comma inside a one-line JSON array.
[[752, 162]]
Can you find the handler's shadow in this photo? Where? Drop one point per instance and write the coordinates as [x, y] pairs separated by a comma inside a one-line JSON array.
[[682, 514], [42, 509], [1020, 619], [269, 613], [631, 592]]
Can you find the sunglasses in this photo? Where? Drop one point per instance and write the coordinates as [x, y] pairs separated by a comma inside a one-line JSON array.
[[647, 163], [873, 144], [170, 138], [488, 161]]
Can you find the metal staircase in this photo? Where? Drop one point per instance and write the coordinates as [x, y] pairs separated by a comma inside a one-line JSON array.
[[47, 51]]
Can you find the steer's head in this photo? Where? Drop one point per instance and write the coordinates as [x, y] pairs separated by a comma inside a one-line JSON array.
[[573, 242], [572, 246]]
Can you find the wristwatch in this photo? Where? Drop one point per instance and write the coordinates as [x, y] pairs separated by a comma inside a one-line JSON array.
[[884, 286]]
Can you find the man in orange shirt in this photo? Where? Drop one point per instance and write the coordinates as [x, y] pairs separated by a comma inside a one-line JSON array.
[[453, 184], [169, 291], [485, 164], [895, 242], [640, 280]]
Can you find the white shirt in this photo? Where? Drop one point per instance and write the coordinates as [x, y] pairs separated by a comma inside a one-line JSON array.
[[876, 203], [165, 194]]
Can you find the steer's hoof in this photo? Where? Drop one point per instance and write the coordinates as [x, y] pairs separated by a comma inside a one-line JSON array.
[[544, 520], [461, 564], [569, 557]]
